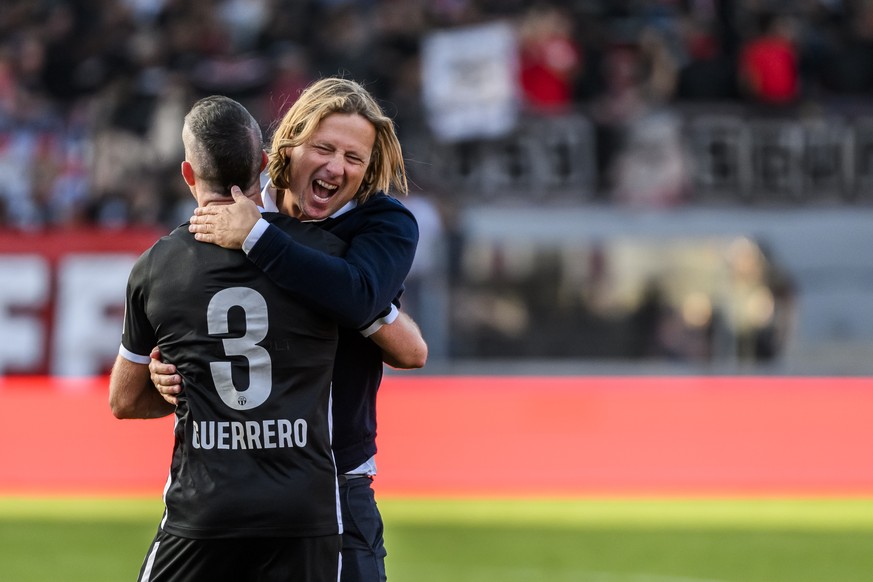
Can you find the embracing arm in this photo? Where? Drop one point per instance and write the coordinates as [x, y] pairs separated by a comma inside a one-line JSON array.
[[402, 345], [131, 393], [354, 289], [401, 342]]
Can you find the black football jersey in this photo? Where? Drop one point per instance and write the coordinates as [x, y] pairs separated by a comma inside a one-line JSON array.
[[252, 454]]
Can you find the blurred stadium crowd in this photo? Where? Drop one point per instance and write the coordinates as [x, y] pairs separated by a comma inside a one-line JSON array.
[[526, 250], [92, 91]]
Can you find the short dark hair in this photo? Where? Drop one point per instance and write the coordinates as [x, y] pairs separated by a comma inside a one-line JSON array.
[[223, 143]]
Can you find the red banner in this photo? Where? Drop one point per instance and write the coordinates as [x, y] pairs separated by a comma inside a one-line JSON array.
[[496, 436], [62, 298]]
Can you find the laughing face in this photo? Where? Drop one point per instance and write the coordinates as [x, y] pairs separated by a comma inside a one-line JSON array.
[[328, 169]]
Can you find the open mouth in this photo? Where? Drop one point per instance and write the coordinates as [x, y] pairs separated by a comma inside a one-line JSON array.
[[322, 190]]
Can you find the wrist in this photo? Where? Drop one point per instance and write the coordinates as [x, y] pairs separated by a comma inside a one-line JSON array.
[[390, 314], [254, 235]]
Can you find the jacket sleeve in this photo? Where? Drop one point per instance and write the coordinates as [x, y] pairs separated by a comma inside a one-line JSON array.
[[353, 289]]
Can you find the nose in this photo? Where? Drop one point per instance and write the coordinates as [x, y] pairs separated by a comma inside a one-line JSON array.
[[335, 165]]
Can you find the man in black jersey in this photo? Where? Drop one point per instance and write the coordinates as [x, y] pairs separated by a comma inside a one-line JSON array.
[[252, 492]]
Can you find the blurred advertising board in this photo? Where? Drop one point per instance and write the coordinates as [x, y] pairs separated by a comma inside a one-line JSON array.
[[62, 298]]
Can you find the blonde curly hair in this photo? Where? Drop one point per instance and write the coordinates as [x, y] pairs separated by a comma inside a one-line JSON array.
[[337, 95]]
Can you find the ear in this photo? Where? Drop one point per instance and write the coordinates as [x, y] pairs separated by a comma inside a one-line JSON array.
[[188, 173], [264, 160]]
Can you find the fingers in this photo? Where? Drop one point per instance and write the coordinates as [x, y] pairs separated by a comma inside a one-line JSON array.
[[236, 192], [201, 230], [159, 367], [169, 389], [167, 383], [199, 226], [203, 220], [207, 210], [164, 376], [171, 399], [167, 380], [229, 226], [201, 233]]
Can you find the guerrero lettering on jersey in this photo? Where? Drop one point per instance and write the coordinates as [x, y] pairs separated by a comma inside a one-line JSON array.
[[236, 435]]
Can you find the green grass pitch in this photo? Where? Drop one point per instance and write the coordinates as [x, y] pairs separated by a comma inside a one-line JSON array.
[[510, 540]]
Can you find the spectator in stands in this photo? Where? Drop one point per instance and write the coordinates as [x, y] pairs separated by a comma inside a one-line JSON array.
[[105, 65], [619, 104], [658, 66], [709, 73], [768, 68], [841, 54], [549, 59]]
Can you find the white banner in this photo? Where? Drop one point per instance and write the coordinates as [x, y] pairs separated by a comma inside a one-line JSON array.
[[470, 81]]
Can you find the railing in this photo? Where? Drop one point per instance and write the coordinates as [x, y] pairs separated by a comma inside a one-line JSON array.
[[731, 156]]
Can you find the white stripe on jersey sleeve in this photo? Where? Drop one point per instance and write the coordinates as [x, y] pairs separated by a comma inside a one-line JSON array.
[[135, 358]]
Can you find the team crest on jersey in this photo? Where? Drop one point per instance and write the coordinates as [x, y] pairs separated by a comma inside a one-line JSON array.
[[241, 400]]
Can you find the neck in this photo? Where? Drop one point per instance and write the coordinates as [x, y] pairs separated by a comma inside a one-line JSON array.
[[285, 201]]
